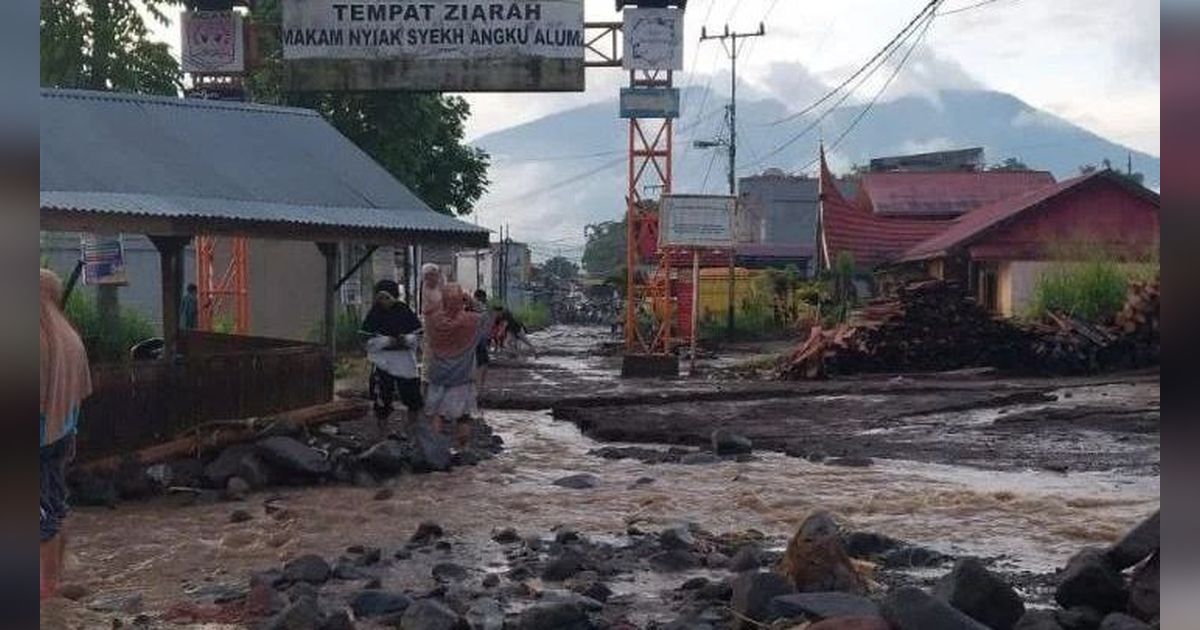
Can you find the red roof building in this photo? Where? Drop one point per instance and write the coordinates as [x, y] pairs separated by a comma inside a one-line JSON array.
[[998, 234]]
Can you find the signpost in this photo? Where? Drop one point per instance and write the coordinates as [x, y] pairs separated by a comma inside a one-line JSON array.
[[212, 42], [445, 45], [696, 222], [653, 39], [649, 102]]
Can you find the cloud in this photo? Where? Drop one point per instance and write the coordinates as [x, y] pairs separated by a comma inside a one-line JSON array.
[[925, 73]]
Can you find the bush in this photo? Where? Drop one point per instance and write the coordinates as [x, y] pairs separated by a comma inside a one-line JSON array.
[[132, 327], [345, 331], [1093, 290], [534, 315]]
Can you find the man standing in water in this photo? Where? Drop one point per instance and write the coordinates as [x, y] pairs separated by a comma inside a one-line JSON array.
[[393, 330]]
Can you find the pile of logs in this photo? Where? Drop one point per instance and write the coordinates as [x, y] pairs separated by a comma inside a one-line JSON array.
[[934, 325]]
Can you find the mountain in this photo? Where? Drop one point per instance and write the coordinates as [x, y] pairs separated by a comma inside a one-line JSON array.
[[554, 175]]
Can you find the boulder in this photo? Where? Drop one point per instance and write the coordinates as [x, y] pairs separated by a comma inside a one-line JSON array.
[[716, 560], [1079, 618], [913, 557], [1144, 590], [431, 614], [748, 558], [852, 623], [726, 442], [309, 568], [1135, 546], [236, 489], [1039, 619], [449, 572], [132, 481], [1121, 621], [910, 608], [825, 605], [979, 593], [430, 451], [303, 614], [485, 614], [388, 457], [581, 481], [563, 567], [1089, 580], [815, 560], [753, 594], [507, 536], [716, 591], [869, 544], [188, 473], [674, 560], [678, 537], [291, 456], [559, 615], [598, 591], [850, 462], [426, 533], [338, 620], [376, 603], [93, 490]]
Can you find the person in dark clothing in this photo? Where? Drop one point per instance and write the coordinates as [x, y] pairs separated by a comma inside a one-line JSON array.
[[393, 331], [482, 354], [189, 308], [505, 326]]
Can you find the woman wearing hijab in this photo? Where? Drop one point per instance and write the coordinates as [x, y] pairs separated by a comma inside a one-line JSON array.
[[65, 382], [431, 302], [393, 330], [453, 333]]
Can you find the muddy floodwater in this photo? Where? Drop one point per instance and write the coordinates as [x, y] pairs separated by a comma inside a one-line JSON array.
[[1028, 518]]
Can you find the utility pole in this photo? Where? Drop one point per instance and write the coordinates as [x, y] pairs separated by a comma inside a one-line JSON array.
[[731, 41]]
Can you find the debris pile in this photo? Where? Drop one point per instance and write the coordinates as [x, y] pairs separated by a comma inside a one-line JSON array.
[[934, 325]]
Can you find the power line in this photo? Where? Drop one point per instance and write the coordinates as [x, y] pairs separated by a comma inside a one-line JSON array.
[[903, 34], [977, 5]]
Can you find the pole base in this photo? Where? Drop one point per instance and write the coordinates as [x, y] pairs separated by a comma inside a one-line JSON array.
[[650, 366]]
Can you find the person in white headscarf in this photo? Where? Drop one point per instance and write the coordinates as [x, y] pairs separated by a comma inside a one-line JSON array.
[[432, 284]]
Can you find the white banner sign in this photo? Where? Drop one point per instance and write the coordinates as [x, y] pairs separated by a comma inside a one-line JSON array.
[[653, 39], [696, 220], [212, 42]]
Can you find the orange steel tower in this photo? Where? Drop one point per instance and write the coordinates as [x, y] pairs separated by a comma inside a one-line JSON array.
[[228, 293]]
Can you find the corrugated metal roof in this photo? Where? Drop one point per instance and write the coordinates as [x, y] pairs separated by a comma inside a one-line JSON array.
[[944, 193], [975, 224], [170, 157]]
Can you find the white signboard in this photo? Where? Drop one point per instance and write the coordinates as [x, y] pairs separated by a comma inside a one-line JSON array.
[[212, 42], [696, 220], [442, 45], [653, 39]]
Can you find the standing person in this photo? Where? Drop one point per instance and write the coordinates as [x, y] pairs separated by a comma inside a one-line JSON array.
[[454, 334], [65, 382], [511, 327], [394, 330], [189, 308], [482, 355], [432, 283]]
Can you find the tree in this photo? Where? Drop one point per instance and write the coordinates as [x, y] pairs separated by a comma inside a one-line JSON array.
[[105, 45], [604, 253], [1133, 176], [1009, 164], [416, 136], [560, 268]]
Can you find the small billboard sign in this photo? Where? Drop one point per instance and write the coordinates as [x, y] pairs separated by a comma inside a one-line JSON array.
[[442, 45], [103, 259], [213, 42], [653, 39], [649, 102], [696, 220]]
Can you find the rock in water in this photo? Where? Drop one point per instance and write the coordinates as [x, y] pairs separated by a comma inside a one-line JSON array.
[[674, 560], [507, 536], [825, 605], [562, 615], [1121, 621], [431, 614], [485, 614], [869, 545], [236, 489], [726, 442], [449, 572], [815, 560], [563, 567], [376, 603], [748, 558], [1079, 618], [226, 464], [309, 568], [1038, 620], [678, 537], [974, 590], [292, 456], [582, 481], [430, 451], [1135, 546], [1089, 580], [910, 608], [852, 623], [303, 614], [1144, 590], [388, 457], [426, 533], [753, 594]]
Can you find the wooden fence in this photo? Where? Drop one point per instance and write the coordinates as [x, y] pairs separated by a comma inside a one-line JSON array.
[[217, 377]]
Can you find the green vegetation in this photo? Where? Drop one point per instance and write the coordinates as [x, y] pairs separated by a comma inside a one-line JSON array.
[[560, 268], [604, 253], [534, 315], [345, 332], [1088, 283], [132, 327], [1009, 164]]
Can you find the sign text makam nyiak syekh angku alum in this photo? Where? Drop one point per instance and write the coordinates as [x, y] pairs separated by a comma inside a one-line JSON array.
[[428, 24]]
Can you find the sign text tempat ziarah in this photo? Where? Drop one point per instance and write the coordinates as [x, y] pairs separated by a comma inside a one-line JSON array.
[[443, 45]]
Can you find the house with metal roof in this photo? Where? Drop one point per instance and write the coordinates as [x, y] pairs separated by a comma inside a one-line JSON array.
[[171, 169], [997, 232]]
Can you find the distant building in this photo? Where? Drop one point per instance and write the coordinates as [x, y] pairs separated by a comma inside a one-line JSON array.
[[482, 268], [777, 222], [941, 161]]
